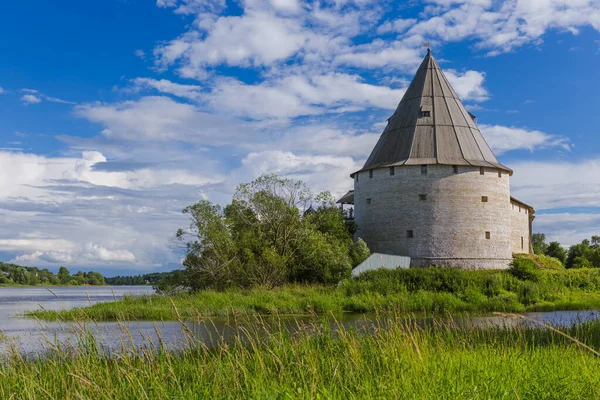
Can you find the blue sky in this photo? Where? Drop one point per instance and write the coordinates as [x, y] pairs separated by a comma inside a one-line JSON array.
[[115, 115]]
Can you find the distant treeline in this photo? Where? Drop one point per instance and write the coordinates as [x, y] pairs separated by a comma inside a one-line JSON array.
[[583, 255], [13, 274], [146, 279]]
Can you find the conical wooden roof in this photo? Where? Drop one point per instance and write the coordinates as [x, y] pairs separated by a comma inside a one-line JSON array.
[[431, 126]]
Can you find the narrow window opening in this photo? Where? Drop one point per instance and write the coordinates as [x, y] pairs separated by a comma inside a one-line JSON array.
[[522, 243], [423, 169], [484, 199], [392, 171], [488, 235], [422, 197], [499, 173], [455, 169], [370, 173], [409, 234], [369, 200], [424, 114], [519, 208], [525, 211], [481, 171], [356, 177]]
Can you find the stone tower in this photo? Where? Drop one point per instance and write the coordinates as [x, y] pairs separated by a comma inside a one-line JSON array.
[[433, 190]]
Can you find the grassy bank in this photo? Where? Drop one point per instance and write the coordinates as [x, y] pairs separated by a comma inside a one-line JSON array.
[[432, 290], [393, 360]]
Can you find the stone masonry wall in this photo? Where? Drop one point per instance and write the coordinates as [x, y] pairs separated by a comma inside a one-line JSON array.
[[449, 227], [519, 221]]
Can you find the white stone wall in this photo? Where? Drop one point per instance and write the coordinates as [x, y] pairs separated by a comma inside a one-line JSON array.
[[519, 221], [449, 227]]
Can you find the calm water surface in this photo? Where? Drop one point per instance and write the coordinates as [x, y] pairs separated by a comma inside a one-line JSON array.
[[31, 337]]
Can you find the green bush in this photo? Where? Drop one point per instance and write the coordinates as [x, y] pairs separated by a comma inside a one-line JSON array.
[[529, 293], [550, 262], [492, 285], [524, 268]]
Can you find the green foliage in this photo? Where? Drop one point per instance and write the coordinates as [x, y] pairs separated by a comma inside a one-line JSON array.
[[539, 243], [359, 252], [64, 276], [431, 290], [524, 268], [550, 262], [145, 279], [12, 274], [585, 254], [263, 239], [528, 293], [20, 276], [557, 251], [94, 278]]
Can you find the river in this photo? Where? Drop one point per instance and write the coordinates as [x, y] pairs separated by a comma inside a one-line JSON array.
[[31, 337]]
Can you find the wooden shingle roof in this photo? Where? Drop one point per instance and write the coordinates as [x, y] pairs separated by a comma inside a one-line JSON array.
[[431, 126]]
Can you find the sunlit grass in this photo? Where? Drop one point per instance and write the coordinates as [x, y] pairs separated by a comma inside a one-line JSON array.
[[433, 291], [394, 358]]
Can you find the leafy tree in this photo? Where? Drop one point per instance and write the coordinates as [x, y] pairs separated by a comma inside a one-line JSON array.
[[539, 243], [64, 276], [359, 252], [557, 251], [78, 278], [264, 237], [580, 250], [94, 278], [33, 280], [581, 262], [20, 276]]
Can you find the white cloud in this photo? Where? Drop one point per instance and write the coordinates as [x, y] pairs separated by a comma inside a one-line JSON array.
[[504, 26], [100, 253], [254, 39], [381, 54], [191, 92], [398, 25], [286, 97], [327, 140], [548, 185], [33, 96], [469, 85], [35, 243], [65, 211], [162, 119], [568, 228], [49, 256], [503, 138], [321, 173], [1, 90], [192, 6], [294, 96], [30, 99]]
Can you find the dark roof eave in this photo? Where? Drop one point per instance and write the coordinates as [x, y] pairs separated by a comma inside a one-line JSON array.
[[348, 198], [397, 164]]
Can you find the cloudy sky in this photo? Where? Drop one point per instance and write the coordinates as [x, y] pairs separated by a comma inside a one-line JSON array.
[[116, 114]]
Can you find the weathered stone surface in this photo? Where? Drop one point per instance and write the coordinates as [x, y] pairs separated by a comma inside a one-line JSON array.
[[449, 227], [519, 221]]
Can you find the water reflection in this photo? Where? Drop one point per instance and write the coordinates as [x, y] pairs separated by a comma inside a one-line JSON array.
[[32, 337]]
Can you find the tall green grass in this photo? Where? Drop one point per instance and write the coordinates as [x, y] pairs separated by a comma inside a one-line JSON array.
[[394, 358], [525, 287]]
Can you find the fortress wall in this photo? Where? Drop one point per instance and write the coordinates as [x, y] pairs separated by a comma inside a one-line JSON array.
[[449, 227], [519, 222]]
